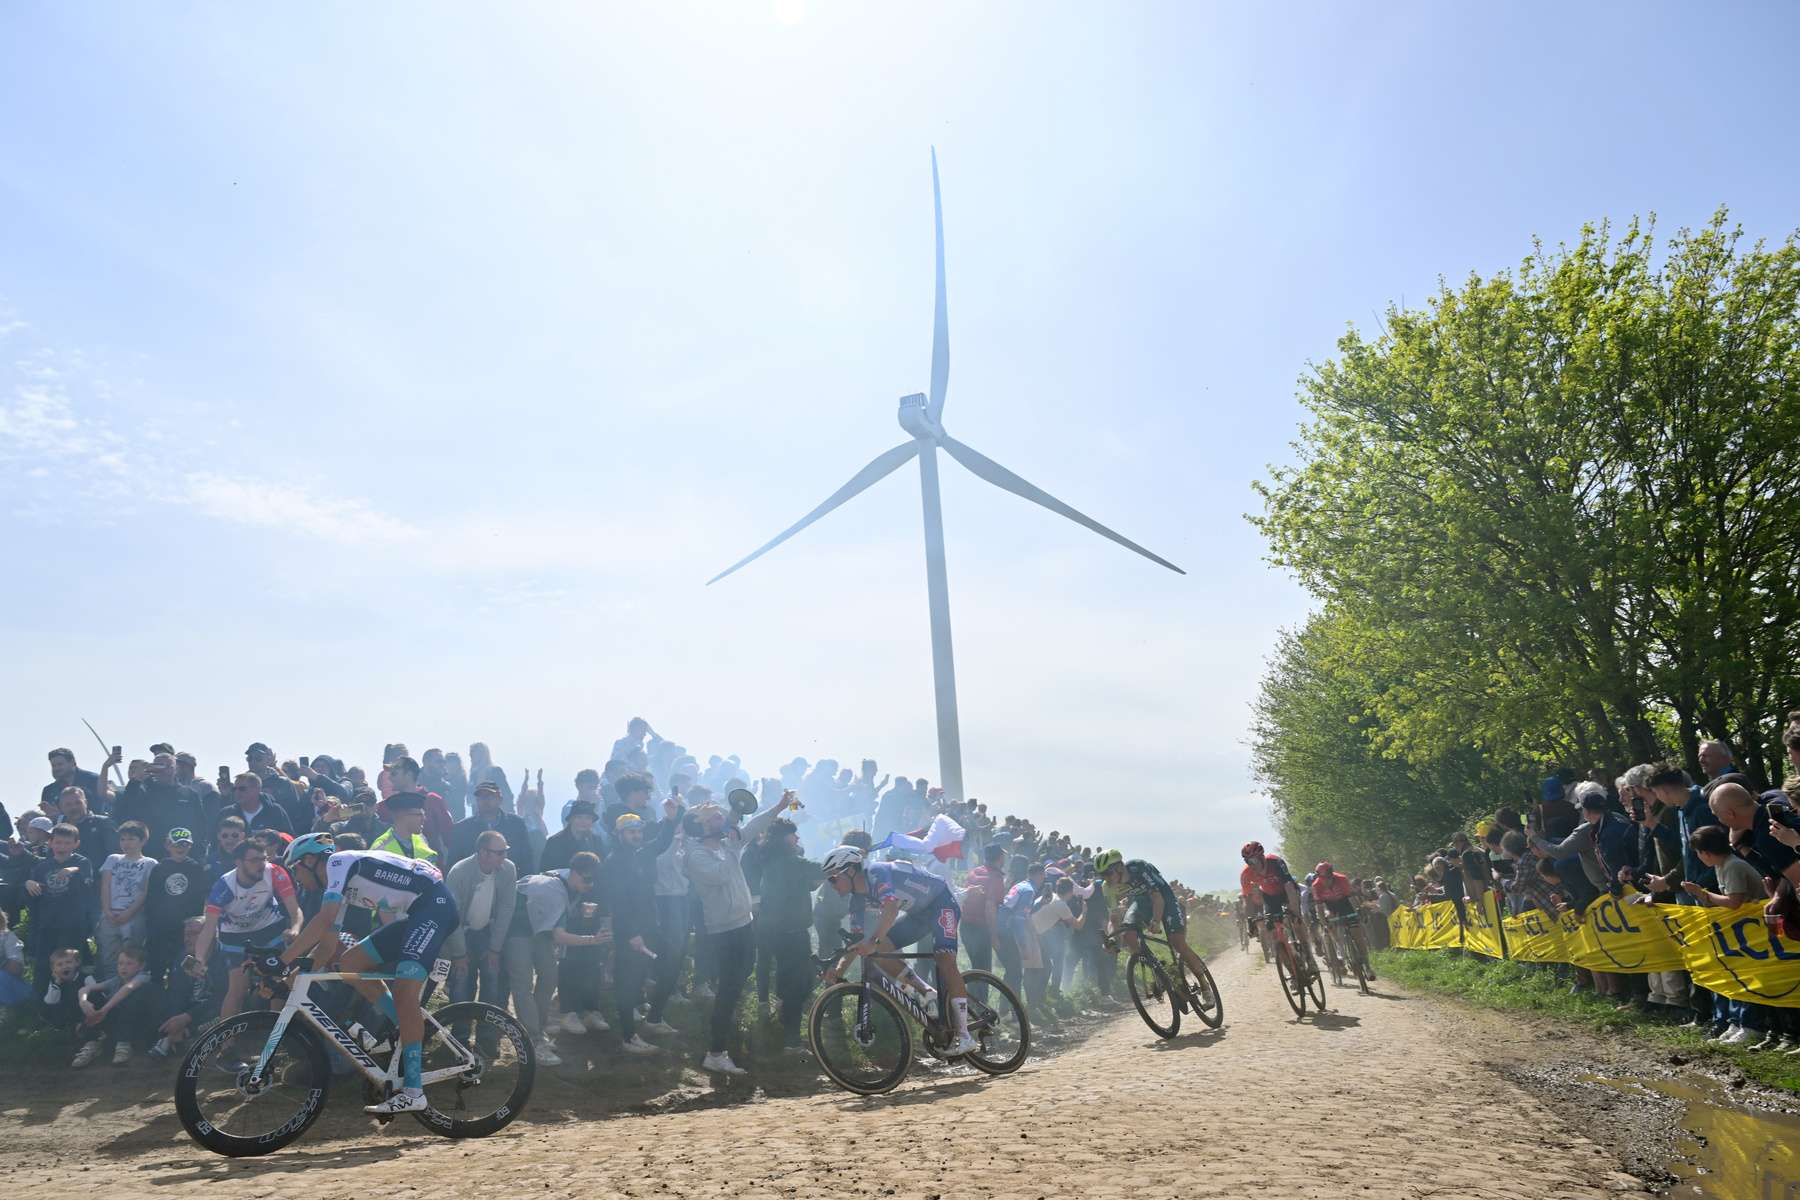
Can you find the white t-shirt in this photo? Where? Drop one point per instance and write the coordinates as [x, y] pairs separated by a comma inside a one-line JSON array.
[[481, 904], [1050, 914], [129, 878], [10, 947]]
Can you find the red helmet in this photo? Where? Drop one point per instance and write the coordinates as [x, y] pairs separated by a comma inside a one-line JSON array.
[[1252, 850], [1324, 868]]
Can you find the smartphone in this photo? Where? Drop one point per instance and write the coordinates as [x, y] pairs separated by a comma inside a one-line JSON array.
[[118, 752], [192, 965], [305, 761]]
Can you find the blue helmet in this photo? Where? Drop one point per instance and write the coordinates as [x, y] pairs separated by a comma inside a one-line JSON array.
[[308, 843]]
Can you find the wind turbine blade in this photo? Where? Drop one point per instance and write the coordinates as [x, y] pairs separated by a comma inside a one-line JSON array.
[[940, 325], [882, 467], [986, 468]]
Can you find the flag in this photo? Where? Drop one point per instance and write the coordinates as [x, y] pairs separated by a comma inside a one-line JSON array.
[[943, 840]]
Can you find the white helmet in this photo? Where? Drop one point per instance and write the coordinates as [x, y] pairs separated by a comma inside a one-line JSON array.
[[841, 859]]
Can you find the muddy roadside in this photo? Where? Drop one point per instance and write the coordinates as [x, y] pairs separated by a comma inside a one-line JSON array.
[[1643, 1104]]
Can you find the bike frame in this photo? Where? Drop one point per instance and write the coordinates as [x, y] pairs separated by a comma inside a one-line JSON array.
[[898, 994], [300, 1004]]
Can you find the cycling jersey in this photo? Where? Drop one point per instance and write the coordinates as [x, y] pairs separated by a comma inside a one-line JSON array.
[[922, 898], [1271, 880], [1141, 879], [372, 879], [248, 907], [1331, 887]]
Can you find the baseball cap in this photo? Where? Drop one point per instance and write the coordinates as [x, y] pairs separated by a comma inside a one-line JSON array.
[[258, 748], [179, 834], [1594, 799], [488, 785], [43, 823], [627, 821]]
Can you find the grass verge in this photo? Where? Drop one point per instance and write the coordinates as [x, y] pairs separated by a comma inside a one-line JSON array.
[[1520, 987]]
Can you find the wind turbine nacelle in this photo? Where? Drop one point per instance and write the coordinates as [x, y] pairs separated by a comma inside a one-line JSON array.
[[915, 419]]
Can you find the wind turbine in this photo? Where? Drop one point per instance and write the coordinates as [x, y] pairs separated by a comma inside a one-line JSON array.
[[921, 416]]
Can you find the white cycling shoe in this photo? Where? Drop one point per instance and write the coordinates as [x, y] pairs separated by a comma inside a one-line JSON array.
[[399, 1102], [966, 1044]]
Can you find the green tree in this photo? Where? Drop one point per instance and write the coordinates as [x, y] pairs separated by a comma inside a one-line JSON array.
[[1555, 510]]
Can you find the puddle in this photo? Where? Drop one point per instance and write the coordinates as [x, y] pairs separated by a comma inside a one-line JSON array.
[[1735, 1152]]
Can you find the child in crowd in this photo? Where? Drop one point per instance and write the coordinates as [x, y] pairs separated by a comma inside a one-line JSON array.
[[178, 888], [58, 1003], [124, 887], [131, 1010], [13, 988], [223, 856], [63, 902], [1735, 1022]]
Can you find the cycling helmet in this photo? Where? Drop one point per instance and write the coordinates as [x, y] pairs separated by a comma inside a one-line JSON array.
[[1324, 868], [309, 843], [1252, 850], [1310, 876], [1106, 860], [841, 859]]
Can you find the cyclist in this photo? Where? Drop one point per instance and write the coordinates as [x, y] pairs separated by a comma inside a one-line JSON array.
[[420, 913], [1268, 887], [912, 902], [1142, 897], [252, 910], [1331, 892]]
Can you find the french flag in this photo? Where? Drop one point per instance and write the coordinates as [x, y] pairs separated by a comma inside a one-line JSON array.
[[943, 840]]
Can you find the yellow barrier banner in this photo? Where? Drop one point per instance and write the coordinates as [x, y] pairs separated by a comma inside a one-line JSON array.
[[1482, 933], [1442, 930], [1731, 951], [1406, 928], [1535, 936], [1623, 937]]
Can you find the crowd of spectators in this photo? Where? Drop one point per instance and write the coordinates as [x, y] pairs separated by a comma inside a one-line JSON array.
[[124, 901], [1657, 834]]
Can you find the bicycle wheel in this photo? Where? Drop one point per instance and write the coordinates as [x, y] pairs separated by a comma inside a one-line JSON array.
[[998, 1022], [1203, 993], [1315, 981], [1359, 965], [1289, 974], [224, 1110], [1153, 992], [860, 1038], [1336, 955], [489, 1092]]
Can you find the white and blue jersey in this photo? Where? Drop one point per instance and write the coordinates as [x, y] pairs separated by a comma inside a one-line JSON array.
[[925, 902], [408, 888]]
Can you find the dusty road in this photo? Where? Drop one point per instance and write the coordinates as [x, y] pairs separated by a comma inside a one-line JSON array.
[[1375, 1099]]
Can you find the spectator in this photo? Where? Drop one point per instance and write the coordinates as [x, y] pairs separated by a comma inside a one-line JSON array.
[[490, 816], [1555, 814], [64, 901], [482, 770], [587, 787], [177, 895], [160, 803], [785, 920], [1715, 759], [531, 811], [258, 808], [186, 768], [538, 930], [634, 798], [435, 777], [986, 888], [65, 774], [130, 1010], [18, 860], [579, 838], [1735, 1022], [435, 822], [485, 885], [99, 836], [191, 1003], [15, 989], [281, 790], [124, 888], [406, 810], [725, 905], [645, 950]]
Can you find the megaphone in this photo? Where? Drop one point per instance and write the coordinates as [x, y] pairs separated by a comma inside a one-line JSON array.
[[743, 801]]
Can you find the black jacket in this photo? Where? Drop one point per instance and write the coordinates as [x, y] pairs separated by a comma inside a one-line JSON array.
[[510, 826], [161, 807], [629, 880], [563, 846]]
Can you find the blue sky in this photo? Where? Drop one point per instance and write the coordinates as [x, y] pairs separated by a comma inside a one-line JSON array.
[[402, 373]]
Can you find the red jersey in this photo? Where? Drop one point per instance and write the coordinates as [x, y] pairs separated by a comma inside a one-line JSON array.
[[1272, 880], [1331, 887]]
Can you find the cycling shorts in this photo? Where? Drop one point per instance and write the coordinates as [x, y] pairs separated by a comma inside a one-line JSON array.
[[1341, 908], [411, 942], [1273, 905], [235, 946], [1140, 911], [939, 923]]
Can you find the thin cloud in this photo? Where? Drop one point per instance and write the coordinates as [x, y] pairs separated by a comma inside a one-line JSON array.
[[350, 521]]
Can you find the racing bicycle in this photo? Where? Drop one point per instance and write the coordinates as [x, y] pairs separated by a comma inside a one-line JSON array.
[[255, 1082], [1164, 986], [862, 1036], [1354, 960], [1295, 966]]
